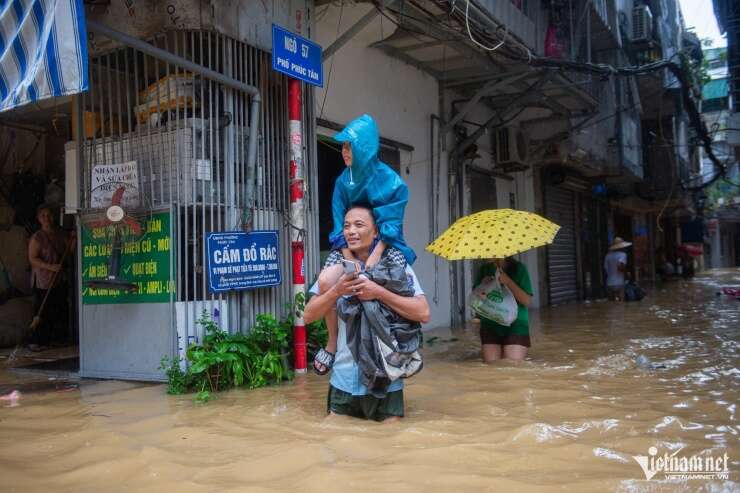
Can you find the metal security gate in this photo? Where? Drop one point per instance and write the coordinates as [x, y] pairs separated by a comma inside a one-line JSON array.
[[188, 137], [562, 255]]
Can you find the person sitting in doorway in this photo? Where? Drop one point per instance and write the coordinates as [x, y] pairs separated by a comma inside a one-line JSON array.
[[499, 341], [347, 395], [46, 249], [615, 265]]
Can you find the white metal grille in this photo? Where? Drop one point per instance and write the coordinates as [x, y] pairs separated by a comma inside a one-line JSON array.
[[188, 135]]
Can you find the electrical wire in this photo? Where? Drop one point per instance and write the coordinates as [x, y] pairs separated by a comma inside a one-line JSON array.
[[470, 34]]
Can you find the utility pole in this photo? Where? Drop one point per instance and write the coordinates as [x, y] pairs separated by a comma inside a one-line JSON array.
[[297, 221]]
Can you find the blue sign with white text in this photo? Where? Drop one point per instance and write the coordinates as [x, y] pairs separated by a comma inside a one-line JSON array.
[[296, 56], [239, 260]]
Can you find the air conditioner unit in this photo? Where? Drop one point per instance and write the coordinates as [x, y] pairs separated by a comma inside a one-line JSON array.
[[510, 146], [642, 23]]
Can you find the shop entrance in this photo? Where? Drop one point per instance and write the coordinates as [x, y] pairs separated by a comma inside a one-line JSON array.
[[32, 173], [594, 246], [562, 257], [170, 149]]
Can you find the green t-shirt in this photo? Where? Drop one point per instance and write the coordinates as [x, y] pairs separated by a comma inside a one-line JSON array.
[[520, 276]]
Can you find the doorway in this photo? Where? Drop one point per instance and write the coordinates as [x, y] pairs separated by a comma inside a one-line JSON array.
[[594, 246], [32, 173], [562, 256]]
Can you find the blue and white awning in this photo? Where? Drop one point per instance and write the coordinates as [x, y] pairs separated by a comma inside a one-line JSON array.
[[43, 50]]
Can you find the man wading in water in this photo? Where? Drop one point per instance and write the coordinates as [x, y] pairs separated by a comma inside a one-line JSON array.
[[347, 394]]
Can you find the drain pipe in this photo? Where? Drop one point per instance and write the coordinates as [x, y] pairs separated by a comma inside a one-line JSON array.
[[208, 73]]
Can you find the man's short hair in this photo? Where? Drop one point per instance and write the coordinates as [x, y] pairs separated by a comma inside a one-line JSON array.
[[362, 205]]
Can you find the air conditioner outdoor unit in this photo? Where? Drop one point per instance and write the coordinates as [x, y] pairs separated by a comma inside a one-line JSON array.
[[510, 146], [642, 23]]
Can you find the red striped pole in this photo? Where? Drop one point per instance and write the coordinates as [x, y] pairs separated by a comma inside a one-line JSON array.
[[297, 219]]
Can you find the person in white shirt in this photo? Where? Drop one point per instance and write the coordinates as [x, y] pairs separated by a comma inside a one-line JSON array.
[[615, 265]]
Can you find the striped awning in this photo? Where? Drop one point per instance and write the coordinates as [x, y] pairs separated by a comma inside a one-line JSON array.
[[43, 50]]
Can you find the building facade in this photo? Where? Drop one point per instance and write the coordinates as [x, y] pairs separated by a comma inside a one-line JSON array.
[[722, 202], [480, 105]]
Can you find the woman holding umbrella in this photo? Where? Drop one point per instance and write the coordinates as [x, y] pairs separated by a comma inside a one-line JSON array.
[[499, 234], [499, 341]]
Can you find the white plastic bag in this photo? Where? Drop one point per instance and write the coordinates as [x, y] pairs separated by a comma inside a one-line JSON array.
[[494, 301]]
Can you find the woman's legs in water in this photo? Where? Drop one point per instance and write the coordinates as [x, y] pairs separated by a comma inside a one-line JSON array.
[[327, 279], [515, 352], [490, 352], [493, 352]]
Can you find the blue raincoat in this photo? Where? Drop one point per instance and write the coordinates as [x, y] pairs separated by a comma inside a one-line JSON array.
[[372, 182]]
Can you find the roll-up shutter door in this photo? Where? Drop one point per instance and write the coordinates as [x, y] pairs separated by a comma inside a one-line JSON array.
[[561, 255]]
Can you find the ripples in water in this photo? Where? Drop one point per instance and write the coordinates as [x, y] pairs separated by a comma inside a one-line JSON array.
[[604, 382]]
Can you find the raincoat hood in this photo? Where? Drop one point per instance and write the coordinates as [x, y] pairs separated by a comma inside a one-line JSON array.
[[364, 136], [372, 182]]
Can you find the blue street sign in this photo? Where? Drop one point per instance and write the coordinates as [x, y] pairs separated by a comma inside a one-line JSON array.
[[296, 56], [239, 260]]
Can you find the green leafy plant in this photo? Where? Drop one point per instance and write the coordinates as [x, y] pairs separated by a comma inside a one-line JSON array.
[[225, 361], [177, 379]]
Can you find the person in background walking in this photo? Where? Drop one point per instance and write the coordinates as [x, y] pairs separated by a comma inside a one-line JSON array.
[[615, 265]]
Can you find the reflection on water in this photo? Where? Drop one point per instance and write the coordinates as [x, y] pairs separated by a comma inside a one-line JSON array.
[[604, 382]]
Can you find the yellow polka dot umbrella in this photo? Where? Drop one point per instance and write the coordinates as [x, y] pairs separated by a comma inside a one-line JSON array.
[[494, 233]]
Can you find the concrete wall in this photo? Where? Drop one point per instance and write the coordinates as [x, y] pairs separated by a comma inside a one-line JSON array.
[[401, 98], [249, 21]]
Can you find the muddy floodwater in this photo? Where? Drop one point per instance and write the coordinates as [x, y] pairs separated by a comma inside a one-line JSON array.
[[604, 382]]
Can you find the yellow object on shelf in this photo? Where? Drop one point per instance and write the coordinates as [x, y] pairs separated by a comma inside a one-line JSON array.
[[172, 92]]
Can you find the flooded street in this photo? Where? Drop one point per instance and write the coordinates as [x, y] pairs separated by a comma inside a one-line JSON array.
[[604, 382]]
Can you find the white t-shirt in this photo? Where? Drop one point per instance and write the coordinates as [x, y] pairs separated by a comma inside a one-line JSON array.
[[611, 264]]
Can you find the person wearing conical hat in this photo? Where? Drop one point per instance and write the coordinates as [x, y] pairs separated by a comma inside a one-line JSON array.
[[615, 265]]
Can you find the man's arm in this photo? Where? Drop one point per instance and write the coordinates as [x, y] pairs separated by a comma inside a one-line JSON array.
[[413, 308]]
